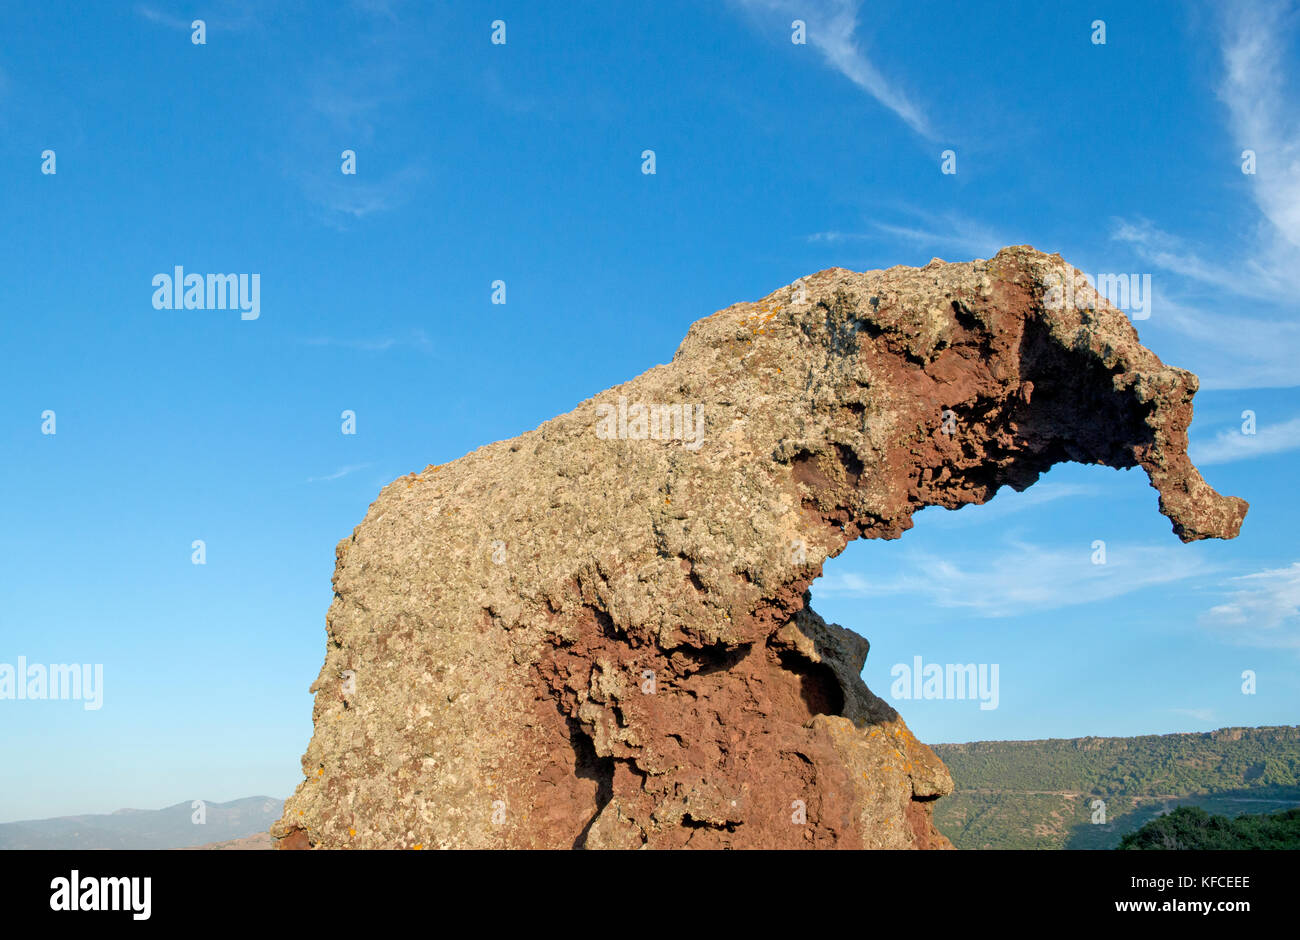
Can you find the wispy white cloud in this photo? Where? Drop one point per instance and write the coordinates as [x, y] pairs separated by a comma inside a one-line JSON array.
[[1259, 92], [1199, 714], [1022, 578], [832, 29], [356, 198], [962, 236], [416, 338], [1008, 502], [339, 473], [1260, 95], [1232, 444], [1235, 351], [369, 345], [1171, 253], [1263, 611], [162, 17], [1239, 351], [228, 15], [385, 8], [948, 232], [354, 102]]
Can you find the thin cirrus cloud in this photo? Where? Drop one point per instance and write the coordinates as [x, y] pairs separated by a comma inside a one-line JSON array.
[[1008, 502], [162, 17], [338, 102], [417, 339], [345, 196], [228, 15], [1021, 579], [385, 8], [1231, 445], [832, 29], [1171, 253], [1258, 92], [1263, 610], [365, 345], [1234, 351], [1260, 96], [355, 102], [949, 232], [339, 473]]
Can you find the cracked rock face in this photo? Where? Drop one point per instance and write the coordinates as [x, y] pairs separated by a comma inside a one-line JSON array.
[[597, 634]]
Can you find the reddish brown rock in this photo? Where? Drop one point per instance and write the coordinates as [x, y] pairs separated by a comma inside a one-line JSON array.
[[593, 636]]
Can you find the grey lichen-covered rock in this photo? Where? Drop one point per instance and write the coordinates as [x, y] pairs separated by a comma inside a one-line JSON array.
[[597, 634]]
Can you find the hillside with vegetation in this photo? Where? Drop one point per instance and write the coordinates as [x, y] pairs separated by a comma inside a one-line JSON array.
[[1190, 827], [1088, 793]]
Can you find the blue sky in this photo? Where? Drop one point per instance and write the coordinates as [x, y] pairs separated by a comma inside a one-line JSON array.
[[522, 162]]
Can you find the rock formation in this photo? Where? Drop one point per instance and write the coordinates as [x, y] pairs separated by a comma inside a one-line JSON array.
[[597, 634]]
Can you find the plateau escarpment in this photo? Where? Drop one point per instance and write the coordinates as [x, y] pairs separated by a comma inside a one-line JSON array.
[[597, 634]]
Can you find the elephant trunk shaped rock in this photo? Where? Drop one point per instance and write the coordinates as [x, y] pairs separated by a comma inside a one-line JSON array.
[[597, 634]]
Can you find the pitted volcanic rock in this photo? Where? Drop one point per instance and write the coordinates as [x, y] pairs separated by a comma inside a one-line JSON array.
[[573, 640]]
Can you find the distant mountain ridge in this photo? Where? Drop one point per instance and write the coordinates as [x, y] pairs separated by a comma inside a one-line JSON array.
[[1044, 794], [172, 827]]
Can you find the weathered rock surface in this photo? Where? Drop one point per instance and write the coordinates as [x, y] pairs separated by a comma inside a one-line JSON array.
[[582, 638]]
